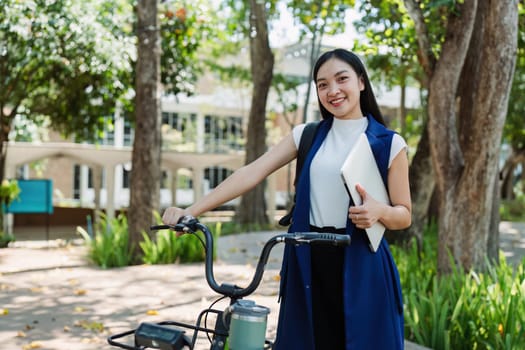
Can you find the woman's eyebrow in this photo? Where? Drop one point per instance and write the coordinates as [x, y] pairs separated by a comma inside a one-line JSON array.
[[340, 72], [335, 75]]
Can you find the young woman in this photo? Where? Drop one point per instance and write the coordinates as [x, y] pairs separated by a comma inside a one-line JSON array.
[[334, 298]]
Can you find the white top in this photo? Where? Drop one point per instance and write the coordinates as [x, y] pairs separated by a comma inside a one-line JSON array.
[[328, 197]]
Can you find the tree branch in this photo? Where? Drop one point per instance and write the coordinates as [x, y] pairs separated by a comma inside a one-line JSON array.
[[426, 56]]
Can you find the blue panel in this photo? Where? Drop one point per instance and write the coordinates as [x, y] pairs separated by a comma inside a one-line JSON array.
[[36, 196]]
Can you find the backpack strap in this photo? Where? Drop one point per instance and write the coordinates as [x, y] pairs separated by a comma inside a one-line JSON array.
[[307, 137]]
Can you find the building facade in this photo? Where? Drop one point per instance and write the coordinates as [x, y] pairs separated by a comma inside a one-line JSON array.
[[203, 138]]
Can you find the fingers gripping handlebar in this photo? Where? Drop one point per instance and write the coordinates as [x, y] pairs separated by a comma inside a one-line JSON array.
[[186, 224], [189, 224]]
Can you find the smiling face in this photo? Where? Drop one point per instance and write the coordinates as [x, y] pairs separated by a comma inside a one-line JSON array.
[[339, 89]]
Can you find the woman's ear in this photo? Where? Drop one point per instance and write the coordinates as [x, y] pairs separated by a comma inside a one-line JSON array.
[[361, 83]]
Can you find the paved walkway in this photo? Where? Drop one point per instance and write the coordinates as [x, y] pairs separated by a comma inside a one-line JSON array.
[[52, 298]]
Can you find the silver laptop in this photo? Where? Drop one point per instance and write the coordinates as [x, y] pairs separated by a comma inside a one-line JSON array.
[[360, 167]]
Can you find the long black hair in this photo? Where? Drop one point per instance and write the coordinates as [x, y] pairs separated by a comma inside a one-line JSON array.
[[367, 100]]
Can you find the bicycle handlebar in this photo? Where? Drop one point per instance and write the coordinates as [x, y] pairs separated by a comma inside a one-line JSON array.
[[189, 224]]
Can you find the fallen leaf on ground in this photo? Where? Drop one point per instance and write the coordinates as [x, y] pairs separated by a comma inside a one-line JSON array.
[[4, 286], [32, 345], [92, 326], [4, 312], [73, 281], [90, 340], [152, 312], [80, 292]]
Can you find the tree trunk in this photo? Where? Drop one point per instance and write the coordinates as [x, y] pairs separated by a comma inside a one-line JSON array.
[[145, 173], [483, 109], [5, 128], [252, 209], [493, 233], [444, 144], [466, 161], [507, 173]]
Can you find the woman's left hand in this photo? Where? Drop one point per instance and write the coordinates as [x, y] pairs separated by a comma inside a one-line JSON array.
[[368, 213]]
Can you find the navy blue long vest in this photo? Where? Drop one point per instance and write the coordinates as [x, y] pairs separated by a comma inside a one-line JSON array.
[[372, 292]]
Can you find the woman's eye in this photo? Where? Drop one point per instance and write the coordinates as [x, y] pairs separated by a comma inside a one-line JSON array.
[[321, 85], [343, 78]]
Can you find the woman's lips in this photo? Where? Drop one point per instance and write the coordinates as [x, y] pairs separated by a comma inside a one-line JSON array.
[[337, 102]]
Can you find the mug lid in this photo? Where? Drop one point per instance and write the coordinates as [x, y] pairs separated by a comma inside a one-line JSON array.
[[248, 307]]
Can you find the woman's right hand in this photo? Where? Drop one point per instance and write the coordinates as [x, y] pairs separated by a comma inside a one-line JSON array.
[[172, 215]]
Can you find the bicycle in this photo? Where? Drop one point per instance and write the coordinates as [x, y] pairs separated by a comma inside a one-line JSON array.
[[242, 325]]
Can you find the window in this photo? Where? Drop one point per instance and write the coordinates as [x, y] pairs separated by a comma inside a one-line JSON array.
[[128, 133], [215, 175], [222, 134], [125, 177], [77, 180], [179, 131]]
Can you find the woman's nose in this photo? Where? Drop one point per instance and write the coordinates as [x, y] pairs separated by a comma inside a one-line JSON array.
[[333, 89]]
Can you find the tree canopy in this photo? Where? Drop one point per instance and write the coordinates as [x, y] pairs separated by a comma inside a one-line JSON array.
[[64, 59]]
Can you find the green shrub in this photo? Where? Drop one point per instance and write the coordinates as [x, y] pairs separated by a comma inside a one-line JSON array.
[[110, 245], [476, 310], [9, 191], [167, 248], [5, 239]]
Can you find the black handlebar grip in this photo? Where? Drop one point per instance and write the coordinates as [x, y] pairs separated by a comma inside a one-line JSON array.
[[321, 238], [184, 224], [331, 239]]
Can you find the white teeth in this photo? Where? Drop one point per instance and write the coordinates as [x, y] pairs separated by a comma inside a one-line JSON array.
[[337, 100]]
